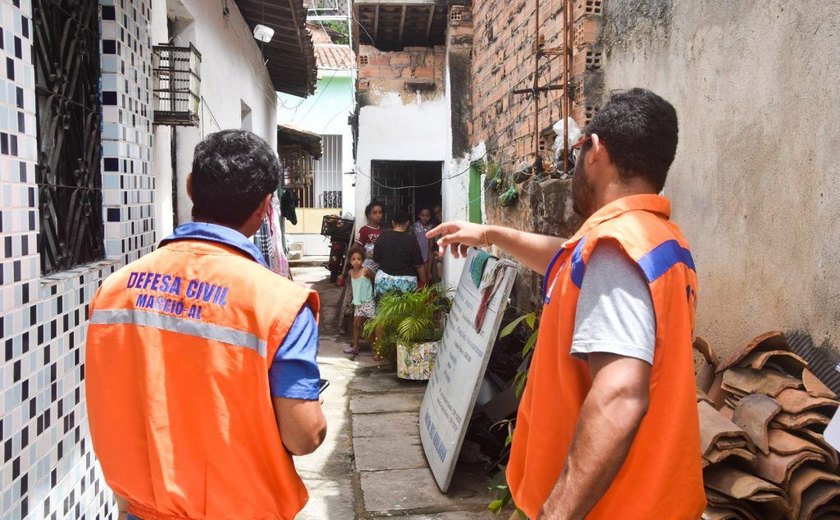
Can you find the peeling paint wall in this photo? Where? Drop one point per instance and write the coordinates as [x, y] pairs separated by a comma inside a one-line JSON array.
[[403, 112], [754, 184]]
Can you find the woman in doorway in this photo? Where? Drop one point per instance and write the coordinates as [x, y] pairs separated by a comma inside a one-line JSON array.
[[423, 225], [398, 255], [369, 233]]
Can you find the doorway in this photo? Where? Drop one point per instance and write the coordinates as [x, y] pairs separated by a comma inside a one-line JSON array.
[[406, 185]]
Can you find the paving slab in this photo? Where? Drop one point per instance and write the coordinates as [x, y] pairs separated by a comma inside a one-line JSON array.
[[379, 425], [382, 403], [412, 489], [385, 382], [329, 499], [458, 515], [385, 453]]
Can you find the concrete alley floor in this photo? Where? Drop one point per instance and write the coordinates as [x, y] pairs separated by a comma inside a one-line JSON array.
[[371, 464]]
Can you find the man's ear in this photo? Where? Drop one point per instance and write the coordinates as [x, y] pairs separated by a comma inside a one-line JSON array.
[[189, 185], [597, 150], [263, 208]]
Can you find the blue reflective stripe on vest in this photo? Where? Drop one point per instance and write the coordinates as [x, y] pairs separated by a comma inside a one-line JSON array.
[[547, 278], [578, 265], [663, 257], [188, 327]]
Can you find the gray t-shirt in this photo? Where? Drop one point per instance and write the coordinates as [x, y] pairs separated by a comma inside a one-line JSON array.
[[615, 311]]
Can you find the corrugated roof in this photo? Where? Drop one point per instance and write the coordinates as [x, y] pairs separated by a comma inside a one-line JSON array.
[[335, 57], [290, 55]]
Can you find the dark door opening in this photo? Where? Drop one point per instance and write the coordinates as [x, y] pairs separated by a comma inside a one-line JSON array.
[[406, 185]]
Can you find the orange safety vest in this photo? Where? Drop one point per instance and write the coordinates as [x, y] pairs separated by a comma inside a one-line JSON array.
[[662, 475], [181, 417]]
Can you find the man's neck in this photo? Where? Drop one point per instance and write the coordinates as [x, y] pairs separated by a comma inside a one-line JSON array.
[[241, 230], [621, 189]]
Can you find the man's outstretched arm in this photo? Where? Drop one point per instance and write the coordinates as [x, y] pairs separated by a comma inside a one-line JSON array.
[[533, 250]]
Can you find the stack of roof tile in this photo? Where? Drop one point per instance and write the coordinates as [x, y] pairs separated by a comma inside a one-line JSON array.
[[762, 414]]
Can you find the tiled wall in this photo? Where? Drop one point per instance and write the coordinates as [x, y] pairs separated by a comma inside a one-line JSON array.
[[127, 174], [48, 468]]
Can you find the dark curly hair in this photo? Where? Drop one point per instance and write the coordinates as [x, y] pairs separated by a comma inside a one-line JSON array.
[[639, 129], [232, 172], [372, 204]]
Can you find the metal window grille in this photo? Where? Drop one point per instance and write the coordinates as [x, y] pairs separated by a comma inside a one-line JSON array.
[[67, 73], [328, 173], [177, 81]]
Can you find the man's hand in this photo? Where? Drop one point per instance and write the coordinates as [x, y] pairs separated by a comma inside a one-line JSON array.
[[608, 421], [301, 423], [533, 250], [459, 236]]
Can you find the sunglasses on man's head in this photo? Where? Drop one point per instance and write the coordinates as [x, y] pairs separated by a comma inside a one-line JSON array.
[[578, 146]]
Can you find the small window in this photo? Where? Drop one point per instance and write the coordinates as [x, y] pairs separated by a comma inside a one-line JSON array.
[[456, 15], [364, 59]]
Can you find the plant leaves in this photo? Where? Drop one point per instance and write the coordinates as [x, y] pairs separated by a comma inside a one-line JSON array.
[[520, 380], [510, 327], [531, 320], [496, 505], [529, 344]]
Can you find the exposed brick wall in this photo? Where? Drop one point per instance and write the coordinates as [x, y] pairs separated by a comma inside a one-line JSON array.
[[503, 61], [504, 45], [406, 71]]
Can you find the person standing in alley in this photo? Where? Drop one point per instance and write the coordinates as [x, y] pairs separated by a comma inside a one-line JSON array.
[[361, 285], [422, 226], [607, 427], [201, 373], [369, 233]]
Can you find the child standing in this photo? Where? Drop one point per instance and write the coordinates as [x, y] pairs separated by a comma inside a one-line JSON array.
[[361, 283]]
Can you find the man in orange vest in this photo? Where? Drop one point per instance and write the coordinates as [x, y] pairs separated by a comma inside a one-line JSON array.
[[607, 428], [201, 373]]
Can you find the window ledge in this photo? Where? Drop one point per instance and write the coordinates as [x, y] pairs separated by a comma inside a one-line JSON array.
[[79, 270]]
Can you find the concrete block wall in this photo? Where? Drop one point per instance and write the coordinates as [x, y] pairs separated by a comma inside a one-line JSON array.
[[48, 467]]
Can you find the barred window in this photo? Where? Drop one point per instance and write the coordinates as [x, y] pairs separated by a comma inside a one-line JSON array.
[[67, 73]]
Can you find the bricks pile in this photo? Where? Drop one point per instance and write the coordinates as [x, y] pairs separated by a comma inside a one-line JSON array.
[[762, 414]]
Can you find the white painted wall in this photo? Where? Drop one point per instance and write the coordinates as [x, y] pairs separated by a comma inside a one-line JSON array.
[[161, 149], [393, 131], [232, 72]]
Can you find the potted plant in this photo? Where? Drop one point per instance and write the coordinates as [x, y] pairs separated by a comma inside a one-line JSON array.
[[410, 325]]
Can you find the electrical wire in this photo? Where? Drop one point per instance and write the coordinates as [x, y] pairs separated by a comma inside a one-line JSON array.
[[353, 15], [320, 93]]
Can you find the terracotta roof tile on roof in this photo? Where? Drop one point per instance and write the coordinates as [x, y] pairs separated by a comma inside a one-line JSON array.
[[334, 57]]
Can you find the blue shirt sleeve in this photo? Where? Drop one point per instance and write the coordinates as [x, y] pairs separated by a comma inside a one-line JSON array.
[[294, 373]]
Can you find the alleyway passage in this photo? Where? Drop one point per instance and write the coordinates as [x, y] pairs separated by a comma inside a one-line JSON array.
[[371, 464]]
